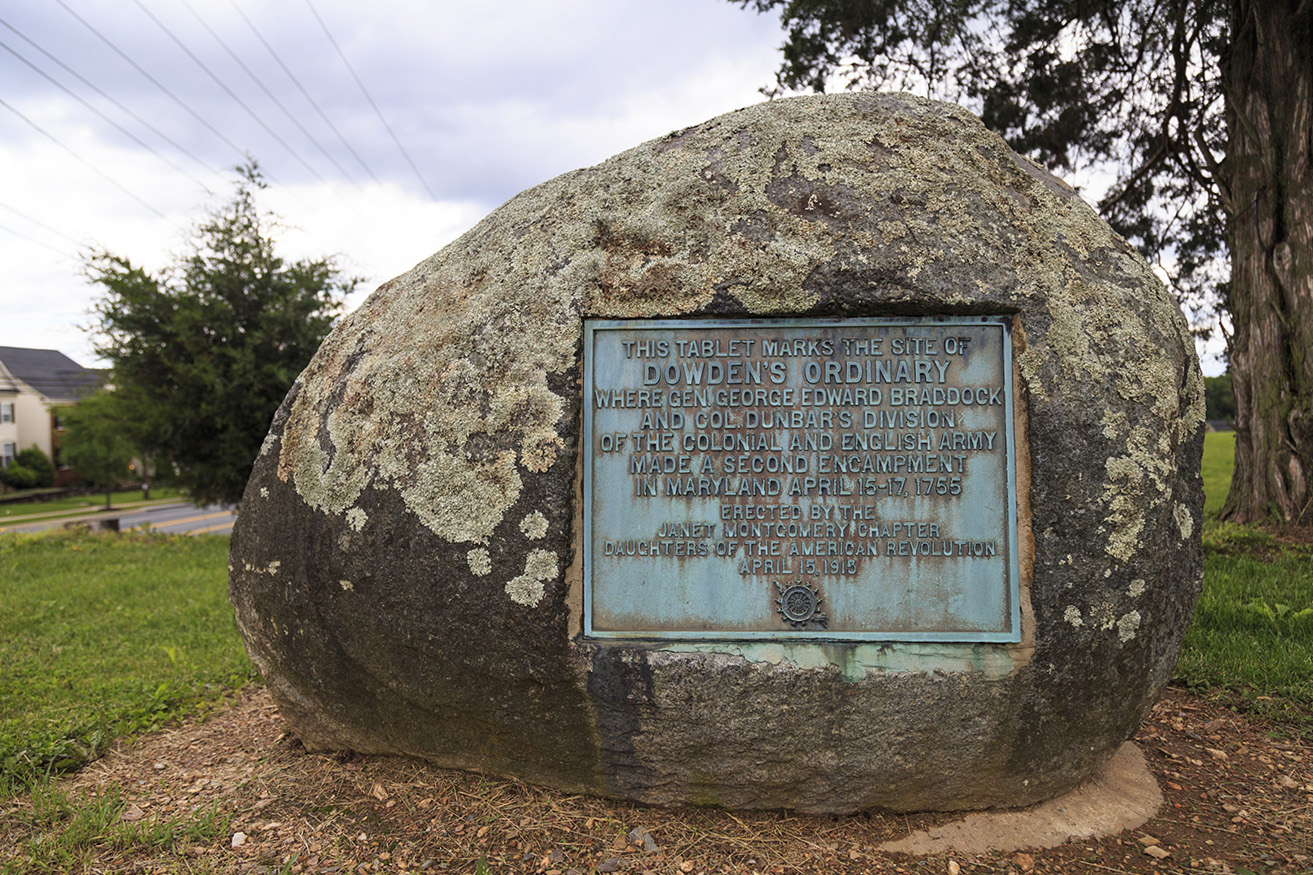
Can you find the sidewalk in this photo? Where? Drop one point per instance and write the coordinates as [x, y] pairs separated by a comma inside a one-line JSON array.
[[38, 521]]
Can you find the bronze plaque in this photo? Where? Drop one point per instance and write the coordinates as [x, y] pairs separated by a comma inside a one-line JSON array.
[[835, 479]]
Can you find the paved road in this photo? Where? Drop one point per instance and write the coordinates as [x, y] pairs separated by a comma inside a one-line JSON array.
[[181, 518], [177, 517]]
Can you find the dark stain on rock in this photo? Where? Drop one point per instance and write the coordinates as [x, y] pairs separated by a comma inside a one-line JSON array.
[[817, 201], [619, 241], [724, 303], [675, 139], [620, 688], [652, 284], [757, 227], [879, 149], [714, 173]]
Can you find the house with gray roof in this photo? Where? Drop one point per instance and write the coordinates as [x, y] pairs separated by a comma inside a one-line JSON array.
[[34, 385]]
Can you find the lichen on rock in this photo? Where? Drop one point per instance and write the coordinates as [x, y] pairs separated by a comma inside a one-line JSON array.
[[527, 589], [534, 526], [1127, 626], [480, 562]]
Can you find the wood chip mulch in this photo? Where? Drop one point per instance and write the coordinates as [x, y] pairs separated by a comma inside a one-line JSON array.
[[1238, 799]]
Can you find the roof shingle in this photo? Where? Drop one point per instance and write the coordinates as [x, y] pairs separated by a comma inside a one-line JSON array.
[[50, 372]]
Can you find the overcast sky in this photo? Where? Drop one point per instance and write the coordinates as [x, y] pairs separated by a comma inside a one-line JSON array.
[[122, 120]]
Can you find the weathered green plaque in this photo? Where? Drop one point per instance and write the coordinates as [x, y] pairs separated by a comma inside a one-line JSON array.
[[846, 479]]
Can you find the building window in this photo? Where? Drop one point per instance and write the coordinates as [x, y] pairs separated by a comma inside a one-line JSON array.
[[6, 411], [7, 453]]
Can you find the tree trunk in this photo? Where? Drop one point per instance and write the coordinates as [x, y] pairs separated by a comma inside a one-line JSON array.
[[1268, 77]]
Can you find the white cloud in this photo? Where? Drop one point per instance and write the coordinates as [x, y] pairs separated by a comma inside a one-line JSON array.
[[488, 97]]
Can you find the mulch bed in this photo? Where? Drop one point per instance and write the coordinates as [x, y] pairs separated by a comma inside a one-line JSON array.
[[1238, 799]]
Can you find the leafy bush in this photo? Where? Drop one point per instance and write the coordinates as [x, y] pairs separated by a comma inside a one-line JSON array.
[[33, 459], [18, 476], [1219, 399]]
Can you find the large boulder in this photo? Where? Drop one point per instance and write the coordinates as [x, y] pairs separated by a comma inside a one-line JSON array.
[[407, 564]]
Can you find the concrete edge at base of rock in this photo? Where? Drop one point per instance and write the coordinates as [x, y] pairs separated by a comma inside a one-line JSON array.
[[1121, 796]]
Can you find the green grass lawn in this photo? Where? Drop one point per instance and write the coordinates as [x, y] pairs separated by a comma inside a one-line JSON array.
[[103, 635], [1219, 453], [1251, 640]]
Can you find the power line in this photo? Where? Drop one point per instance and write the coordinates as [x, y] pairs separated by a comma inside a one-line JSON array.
[[256, 79], [79, 99], [230, 92], [304, 92], [365, 92], [40, 224], [30, 239], [98, 171], [194, 114], [156, 131], [272, 97]]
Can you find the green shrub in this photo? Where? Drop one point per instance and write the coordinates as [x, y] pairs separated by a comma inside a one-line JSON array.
[[18, 476], [33, 459], [1219, 399]]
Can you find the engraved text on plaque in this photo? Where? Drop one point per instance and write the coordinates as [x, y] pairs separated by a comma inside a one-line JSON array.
[[838, 479]]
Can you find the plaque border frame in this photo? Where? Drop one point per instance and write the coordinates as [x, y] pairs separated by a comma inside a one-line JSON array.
[[1012, 636]]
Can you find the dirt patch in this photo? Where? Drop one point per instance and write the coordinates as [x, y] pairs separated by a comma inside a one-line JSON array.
[[1235, 799], [1293, 535]]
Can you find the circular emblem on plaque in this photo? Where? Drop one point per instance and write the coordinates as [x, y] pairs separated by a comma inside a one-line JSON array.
[[799, 603]]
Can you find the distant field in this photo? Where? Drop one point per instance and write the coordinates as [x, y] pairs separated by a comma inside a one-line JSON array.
[[1219, 457]]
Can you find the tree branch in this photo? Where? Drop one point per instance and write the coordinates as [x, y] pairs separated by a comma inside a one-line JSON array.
[[1215, 172], [1153, 160]]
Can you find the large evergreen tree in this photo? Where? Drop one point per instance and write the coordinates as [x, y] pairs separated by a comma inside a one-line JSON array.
[[1203, 110], [205, 351]]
